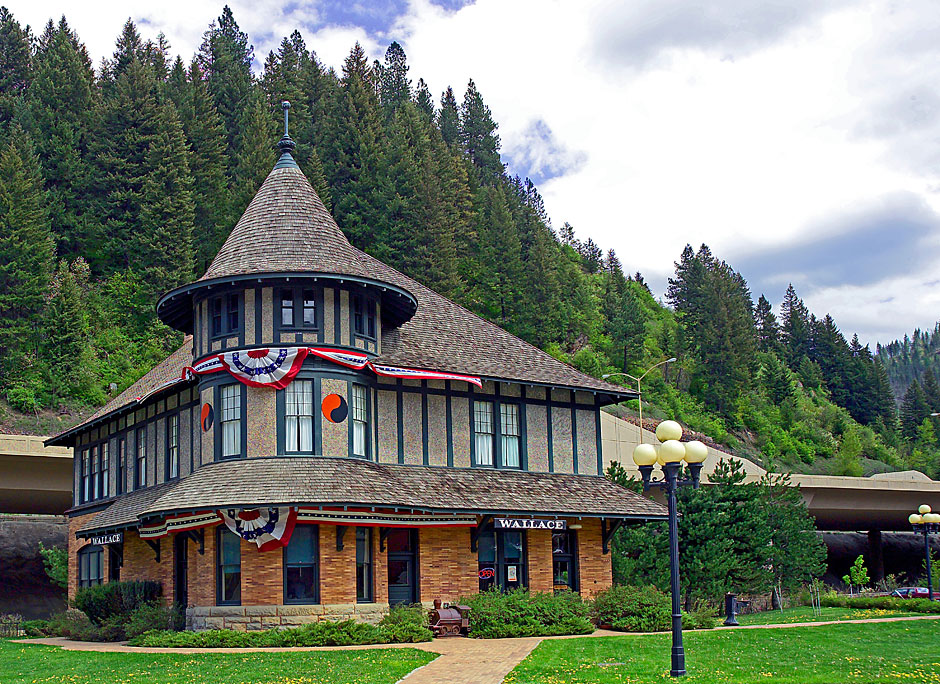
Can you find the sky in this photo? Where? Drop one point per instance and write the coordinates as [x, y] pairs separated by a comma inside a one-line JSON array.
[[799, 139]]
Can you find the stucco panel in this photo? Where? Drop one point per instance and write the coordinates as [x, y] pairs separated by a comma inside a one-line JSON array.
[[561, 440], [344, 335], [388, 426], [267, 315], [460, 414], [261, 412], [537, 433], [250, 316], [437, 430], [328, 322], [587, 443], [414, 445], [335, 435], [208, 444]]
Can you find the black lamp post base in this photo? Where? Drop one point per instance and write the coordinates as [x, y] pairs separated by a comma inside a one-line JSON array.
[[678, 662]]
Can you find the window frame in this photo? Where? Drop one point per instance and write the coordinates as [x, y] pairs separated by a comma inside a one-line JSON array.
[[574, 580], [354, 421], [104, 467], [84, 563], [282, 418], [140, 447], [121, 476], [315, 564], [219, 430], [220, 309], [364, 318], [84, 465], [497, 403], [368, 593], [222, 530], [172, 435], [492, 434], [298, 308], [499, 551]]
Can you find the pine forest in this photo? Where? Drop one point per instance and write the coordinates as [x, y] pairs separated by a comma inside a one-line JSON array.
[[121, 181]]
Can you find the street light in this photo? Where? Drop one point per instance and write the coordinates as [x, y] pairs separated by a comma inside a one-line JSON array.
[[669, 455], [639, 391], [926, 523]]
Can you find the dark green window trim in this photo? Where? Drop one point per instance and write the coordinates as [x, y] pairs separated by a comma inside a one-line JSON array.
[[314, 563], [298, 326], [222, 530], [224, 303], [217, 423]]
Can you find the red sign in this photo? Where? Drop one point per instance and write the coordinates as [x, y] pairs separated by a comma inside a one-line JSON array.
[[487, 573]]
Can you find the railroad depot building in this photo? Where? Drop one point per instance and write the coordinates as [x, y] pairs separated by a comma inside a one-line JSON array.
[[334, 438]]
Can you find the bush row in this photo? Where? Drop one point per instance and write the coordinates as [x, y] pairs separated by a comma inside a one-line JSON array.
[[644, 609], [915, 605], [402, 625], [519, 613]]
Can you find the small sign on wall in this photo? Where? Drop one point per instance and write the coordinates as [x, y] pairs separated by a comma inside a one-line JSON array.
[[529, 524], [116, 538], [206, 417], [335, 408], [512, 573]]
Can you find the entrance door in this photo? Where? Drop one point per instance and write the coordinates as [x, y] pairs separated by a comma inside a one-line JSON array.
[[402, 547], [181, 569]]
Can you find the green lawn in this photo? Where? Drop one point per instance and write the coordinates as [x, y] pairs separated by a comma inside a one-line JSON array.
[[906, 652], [805, 614], [34, 664]]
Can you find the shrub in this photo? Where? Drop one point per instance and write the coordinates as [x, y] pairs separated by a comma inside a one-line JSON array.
[[519, 613], [834, 600], [115, 598], [55, 560], [36, 628], [72, 624], [406, 625], [325, 633], [702, 617], [633, 609], [154, 616]]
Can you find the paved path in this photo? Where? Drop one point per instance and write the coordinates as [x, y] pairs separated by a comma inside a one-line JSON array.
[[461, 661]]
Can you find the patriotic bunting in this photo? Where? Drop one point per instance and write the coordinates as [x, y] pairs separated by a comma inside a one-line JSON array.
[[269, 528], [275, 368]]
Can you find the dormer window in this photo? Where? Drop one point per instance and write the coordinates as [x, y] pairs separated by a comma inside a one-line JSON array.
[[226, 316], [364, 316], [298, 307]]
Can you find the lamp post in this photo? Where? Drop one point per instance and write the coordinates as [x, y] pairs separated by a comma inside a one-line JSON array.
[[670, 455], [639, 391], [925, 522]]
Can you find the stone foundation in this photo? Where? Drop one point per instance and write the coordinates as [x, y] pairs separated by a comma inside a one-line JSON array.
[[252, 618]]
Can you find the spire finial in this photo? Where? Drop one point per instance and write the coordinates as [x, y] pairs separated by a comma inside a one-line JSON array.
[[286, 145]]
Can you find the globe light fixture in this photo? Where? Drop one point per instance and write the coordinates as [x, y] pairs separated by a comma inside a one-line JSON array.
[[671, 455], [926, 522]]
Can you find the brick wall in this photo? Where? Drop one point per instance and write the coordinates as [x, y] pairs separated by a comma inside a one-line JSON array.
[[594, 566], [540, 560], [338, 568], [140, 562], [74, 546], [448, 569]]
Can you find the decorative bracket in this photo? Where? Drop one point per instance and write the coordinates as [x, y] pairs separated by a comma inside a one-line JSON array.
[[607, 533], [340, 533], [155, 545], [383, 535], [475, 533], [198, 537]]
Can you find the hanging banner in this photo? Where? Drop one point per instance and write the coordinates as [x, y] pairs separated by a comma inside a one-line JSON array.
[[265, 367], [276, 367], [269, 528]]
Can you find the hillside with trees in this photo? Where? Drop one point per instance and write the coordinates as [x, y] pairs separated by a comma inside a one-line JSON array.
[[121, 182]]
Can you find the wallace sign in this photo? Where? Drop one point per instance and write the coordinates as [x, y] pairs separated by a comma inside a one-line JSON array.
[[529, 524]]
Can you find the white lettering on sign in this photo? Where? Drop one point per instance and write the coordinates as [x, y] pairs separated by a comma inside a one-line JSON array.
[[530, 524], [115, 538]]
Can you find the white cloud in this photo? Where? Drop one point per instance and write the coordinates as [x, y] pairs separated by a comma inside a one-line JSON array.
[[742, 125]]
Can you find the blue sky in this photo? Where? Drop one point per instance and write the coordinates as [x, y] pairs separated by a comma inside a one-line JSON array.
[[799, 139]]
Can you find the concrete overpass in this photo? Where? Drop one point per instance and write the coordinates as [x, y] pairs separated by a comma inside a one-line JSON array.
[[880, 502], [34, 478]]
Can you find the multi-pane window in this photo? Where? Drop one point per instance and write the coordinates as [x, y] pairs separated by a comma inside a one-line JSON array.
[[364, 584], [85, 476], [509, 434], [229, 575], [95, 482], [231, 421], [484, 432], [173, 446], [360, 420], [105, 469], [298, 417], [90, 566], [298, 308], [140, 470], [501, 557], [225, 315], [564, 557], [301, 560], [121, 466], [363, 316], [287, 308]]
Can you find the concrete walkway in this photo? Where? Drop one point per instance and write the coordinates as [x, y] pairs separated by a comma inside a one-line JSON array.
[[460, 661]]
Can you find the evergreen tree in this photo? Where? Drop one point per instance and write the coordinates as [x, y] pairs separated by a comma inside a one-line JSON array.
[[423, 100], [256, 155], [931, 390], [478, 134], [794, 327], [129, 49], [448, 119], [61, 103], [225, 58], [15, 55], [26, 252], [394, 84], [767, 332], [914, 409], [65, 342]]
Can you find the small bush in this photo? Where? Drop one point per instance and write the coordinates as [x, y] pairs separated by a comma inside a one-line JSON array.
[[922, 605], [406, 625], [24, 396], [115, 598], [703, 617], [72, 624], [154, 617], [633, 609], [519, 613], [36, 628]]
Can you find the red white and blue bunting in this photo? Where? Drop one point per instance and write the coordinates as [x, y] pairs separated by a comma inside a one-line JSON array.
[[269, 528], [276, 367]]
